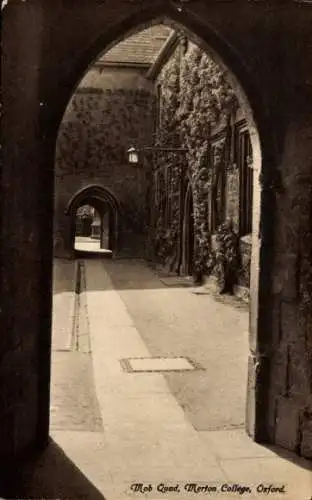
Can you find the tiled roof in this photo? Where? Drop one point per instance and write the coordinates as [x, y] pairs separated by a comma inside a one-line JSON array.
[[139, 49]]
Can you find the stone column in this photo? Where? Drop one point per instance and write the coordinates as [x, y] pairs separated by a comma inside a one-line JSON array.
[[64, 229], [291, 376], [26, 237], [281, 310]]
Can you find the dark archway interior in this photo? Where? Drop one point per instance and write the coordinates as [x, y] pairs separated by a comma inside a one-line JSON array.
[[92, 228], [105, 228]]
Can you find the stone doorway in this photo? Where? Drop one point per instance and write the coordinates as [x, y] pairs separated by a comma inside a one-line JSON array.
[[92, 230], [103, 233], [188, 234]]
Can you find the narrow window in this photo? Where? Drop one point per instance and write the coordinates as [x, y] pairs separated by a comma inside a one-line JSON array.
[[218, 199], [169, 192], [244, 162]]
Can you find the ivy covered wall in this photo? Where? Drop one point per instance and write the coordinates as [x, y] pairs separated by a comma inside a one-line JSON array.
[[198, 110], [100, 124]]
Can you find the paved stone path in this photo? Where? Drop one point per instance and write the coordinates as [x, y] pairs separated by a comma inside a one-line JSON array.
[[74, 404], [64, 279], [155, 430], [173, 321], [149, 437], [88, 244]]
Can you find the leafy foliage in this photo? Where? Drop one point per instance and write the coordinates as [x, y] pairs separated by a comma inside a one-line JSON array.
[[85, 212], [227, 256], [196, 97]]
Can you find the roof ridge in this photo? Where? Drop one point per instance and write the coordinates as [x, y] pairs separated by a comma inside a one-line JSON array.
[[140, 48]]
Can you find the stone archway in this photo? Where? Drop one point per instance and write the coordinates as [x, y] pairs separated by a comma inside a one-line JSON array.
[[51, 35], [100, 198]]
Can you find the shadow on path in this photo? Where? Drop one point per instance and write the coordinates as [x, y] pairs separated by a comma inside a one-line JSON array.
[[290, 456], [52, 475], [92, 254], [63, 276]]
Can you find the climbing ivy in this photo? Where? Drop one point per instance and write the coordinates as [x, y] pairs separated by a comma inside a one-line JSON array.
[[85, 211], [227, 257], [196, 97]]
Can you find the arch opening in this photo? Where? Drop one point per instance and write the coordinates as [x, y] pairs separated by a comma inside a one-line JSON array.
[[188, 201], [94, 215], [193, 206], [92, 229], [94, 195], [261, 140]]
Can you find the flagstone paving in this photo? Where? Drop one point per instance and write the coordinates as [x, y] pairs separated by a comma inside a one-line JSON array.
[[152, 434], [178, 322]]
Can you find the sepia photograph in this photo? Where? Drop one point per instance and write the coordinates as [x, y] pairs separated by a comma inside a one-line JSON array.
[[156, 250]]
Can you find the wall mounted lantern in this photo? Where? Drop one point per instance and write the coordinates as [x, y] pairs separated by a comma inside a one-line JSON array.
[[134, 153]]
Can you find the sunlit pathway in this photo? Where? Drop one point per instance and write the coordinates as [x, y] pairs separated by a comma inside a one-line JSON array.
[[171, 429], [88, 244], [176, 321], [114, 428], [64, 278]]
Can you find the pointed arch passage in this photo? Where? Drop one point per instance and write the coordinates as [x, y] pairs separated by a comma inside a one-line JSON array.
[[104, 201]]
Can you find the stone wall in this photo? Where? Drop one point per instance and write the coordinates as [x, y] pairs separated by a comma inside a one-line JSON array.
[[112, 109], [291, 373], [170, 84]]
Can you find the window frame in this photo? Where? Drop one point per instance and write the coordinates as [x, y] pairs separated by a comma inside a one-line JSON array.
[[215, 142], [243, 153]]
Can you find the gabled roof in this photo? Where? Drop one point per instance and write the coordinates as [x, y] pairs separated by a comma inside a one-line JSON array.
[[163, 55], [140, 49]]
